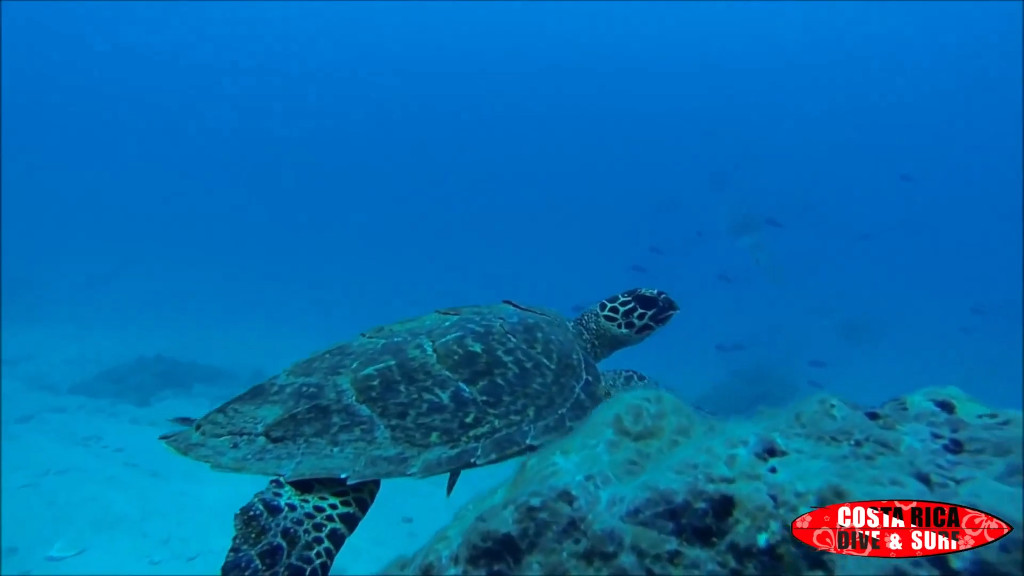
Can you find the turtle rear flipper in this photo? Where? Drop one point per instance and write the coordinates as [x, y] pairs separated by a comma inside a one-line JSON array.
[[185, 421], [182, 421], [453, 477], [297, 527]]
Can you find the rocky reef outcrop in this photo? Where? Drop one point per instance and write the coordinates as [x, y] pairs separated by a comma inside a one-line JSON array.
[[146, 378], [648, 485]]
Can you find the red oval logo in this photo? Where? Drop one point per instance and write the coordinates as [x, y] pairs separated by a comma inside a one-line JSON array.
[[898, 528]]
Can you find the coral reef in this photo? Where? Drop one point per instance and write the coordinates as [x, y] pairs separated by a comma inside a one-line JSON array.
[[648, 485], [146, 378]]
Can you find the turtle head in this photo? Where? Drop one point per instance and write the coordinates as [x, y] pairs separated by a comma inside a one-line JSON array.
[[623, 320]]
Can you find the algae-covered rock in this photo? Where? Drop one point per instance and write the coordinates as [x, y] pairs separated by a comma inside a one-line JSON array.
[[648, 485]]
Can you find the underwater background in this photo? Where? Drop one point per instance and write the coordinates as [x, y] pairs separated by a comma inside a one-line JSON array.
[[196, 195]]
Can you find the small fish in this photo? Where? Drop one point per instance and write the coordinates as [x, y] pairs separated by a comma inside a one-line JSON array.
[[655, 250], [817, 364], [724, 278], [407, 520], [977, 310], [816, 384], [638, 269], [577, 308], [705, 411], [907, 177], [773, 223]]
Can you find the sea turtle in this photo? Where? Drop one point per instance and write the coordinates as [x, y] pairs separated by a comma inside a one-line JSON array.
[[451, 390]]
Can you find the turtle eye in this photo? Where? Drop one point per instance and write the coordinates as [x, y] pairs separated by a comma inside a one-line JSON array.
[[647, 302], [660, 305]]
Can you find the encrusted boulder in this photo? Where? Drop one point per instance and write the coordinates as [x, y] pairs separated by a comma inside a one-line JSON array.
[[648, 485]]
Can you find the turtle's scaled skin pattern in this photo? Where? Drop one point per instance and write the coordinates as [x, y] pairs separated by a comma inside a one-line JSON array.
[[297, 528], [458, 388], [451, 390], [455, 388]]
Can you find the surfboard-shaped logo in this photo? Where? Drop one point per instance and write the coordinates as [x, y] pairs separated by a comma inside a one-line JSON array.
[[898, 528]]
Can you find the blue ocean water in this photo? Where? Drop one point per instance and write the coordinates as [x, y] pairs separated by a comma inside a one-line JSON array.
[[831, 191]]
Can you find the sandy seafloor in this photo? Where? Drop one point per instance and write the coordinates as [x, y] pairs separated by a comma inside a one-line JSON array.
[[88, 475]]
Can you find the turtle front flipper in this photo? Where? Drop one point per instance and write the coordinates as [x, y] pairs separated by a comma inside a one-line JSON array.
[[297, 527], [615, 381]]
